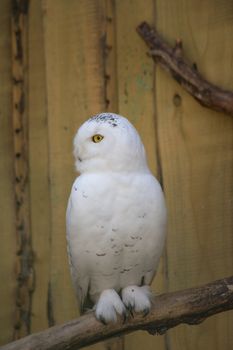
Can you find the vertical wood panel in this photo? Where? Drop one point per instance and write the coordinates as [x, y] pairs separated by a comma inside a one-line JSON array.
[[39, 172], [110, 57], [74, 74], [135, 73], [24, 256], [196, 149], [7, 205]]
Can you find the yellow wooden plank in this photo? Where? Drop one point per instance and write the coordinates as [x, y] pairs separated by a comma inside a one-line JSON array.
[[24, 260], [74, 74], [197, 162], [135, 73], [7, 205], [136, 96], [38, 161], [110, 56]]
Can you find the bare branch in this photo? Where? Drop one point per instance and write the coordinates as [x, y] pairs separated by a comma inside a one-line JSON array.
[[190, 306], [185, 74]]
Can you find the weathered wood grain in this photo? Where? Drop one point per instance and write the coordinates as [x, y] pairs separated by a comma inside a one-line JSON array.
[[136, 74], [75, 90], [190, 306], [7, 200], [197, 160], [39, 171], [109, 48], [24, 256], [136, 80], [186, 74]]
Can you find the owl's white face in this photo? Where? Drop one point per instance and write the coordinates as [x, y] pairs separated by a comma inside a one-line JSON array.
[[108, 142]]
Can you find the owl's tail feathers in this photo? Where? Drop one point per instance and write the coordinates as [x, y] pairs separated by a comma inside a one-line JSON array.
[[116, 343]]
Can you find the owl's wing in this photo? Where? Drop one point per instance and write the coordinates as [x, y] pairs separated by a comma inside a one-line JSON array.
[[80, 281]]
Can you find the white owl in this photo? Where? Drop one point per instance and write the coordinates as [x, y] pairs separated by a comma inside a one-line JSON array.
[[116, 219]]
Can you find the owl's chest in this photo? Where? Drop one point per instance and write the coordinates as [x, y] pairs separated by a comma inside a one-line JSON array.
[[108, 204], [112, 223], [115, 227]]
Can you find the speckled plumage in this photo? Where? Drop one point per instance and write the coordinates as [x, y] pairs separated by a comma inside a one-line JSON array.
[[116, 219]]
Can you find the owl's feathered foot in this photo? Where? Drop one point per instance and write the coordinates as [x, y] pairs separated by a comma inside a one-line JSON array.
[[108, 306], [137, 298]]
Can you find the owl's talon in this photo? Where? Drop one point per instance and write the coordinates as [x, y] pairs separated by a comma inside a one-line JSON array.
[[124, 317], [146, 312], [130, 309], [109, 306], [102, 320], [137, 299]]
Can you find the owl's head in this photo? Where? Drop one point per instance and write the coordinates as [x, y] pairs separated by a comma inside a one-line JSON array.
[[108, 142]]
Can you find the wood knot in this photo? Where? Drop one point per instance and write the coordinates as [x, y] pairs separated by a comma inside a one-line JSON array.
[[177, 100]]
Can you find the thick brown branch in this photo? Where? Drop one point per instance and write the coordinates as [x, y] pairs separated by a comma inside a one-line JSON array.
[[171, 60], [190, 306]]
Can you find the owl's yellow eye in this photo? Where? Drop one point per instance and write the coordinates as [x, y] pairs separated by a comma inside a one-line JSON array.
[[97, 138]]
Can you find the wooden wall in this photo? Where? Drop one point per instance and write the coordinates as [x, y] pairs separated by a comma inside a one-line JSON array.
[[83, 57]]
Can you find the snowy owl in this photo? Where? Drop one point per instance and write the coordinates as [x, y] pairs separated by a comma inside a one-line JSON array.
[[116, 219]]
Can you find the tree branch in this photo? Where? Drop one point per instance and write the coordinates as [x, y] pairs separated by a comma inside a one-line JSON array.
[[190, 306], [186, 75]]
